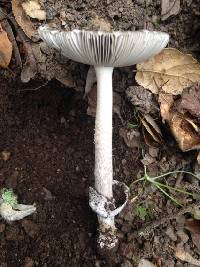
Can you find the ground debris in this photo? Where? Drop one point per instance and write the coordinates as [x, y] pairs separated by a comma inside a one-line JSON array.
[[5, 49], [170, 71], [24, 21], [142, 99], [169, 8], [145, 263], [33, 9], [183, 255]]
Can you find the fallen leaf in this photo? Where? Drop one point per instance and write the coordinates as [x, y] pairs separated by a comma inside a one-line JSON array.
[[131, 137], [151, 127], [184, 133], [190, 100], [170, 71], [166, 102], [181, 254], [24, 21], [5, 49], [142, 99], [34, 10], [193, 226], [169, 8]]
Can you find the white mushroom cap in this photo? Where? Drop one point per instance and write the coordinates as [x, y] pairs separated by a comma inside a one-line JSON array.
[[109, 49]]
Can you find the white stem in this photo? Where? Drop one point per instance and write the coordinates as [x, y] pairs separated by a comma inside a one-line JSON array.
[[103, 132]]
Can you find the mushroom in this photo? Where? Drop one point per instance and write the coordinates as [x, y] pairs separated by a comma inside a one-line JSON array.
[[104, 51]]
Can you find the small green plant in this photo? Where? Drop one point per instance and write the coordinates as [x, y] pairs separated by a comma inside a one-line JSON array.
[[9, 197], [143, 212], [164, 188], [131, 126]]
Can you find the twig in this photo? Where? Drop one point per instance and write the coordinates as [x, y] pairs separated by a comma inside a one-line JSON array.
[[34, 89]]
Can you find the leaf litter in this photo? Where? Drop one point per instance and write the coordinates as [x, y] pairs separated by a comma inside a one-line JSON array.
[[5, 49]]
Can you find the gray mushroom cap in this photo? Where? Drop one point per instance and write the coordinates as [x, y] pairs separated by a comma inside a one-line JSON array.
[[109, 49]]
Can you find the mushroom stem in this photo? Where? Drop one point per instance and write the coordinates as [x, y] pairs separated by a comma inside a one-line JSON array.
[[103, 132]]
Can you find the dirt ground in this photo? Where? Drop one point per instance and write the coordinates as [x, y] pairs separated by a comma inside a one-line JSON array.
[[45, 127]]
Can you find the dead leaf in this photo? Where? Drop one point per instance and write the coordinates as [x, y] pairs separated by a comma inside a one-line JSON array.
[[131, 137], [23, 20], [170, 71], [184, 133], [151, 127], [181, 254], [5, 49], [190, 100], [33, 9], [169, 8], [142, 99], [194, 227], [166, 102]]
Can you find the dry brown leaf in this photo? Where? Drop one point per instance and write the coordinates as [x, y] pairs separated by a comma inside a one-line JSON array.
[[33, 9], [151, 129], [23, 20], [170, 71], [166, 102], [184, 132], [5, 49], [181, 254], [169, 8]]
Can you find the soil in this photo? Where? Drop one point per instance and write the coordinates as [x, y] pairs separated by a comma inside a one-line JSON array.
[[47, 149]]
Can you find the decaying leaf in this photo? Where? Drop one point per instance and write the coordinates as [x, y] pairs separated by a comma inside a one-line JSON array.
[[33, 9], [131, 137], [23, 20], [151, 129], [142, 99], [170, 71], [185, 132], [181, 254], [190, 100], [166, 103], [5, 49], [169, 8], [194, 227]]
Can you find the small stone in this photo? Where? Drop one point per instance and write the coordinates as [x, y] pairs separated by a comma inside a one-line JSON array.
[[30, 228], [5, 155], [2, 227], [28, 262], [170, 233]]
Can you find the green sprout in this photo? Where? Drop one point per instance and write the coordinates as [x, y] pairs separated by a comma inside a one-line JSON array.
[[131, 126], [142, 212], [9, 197], [163, 187]]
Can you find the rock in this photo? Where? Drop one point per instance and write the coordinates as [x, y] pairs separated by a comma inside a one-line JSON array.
[[30, 228], [170, 233], [127, 264], [145, 263], [28, 262]]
